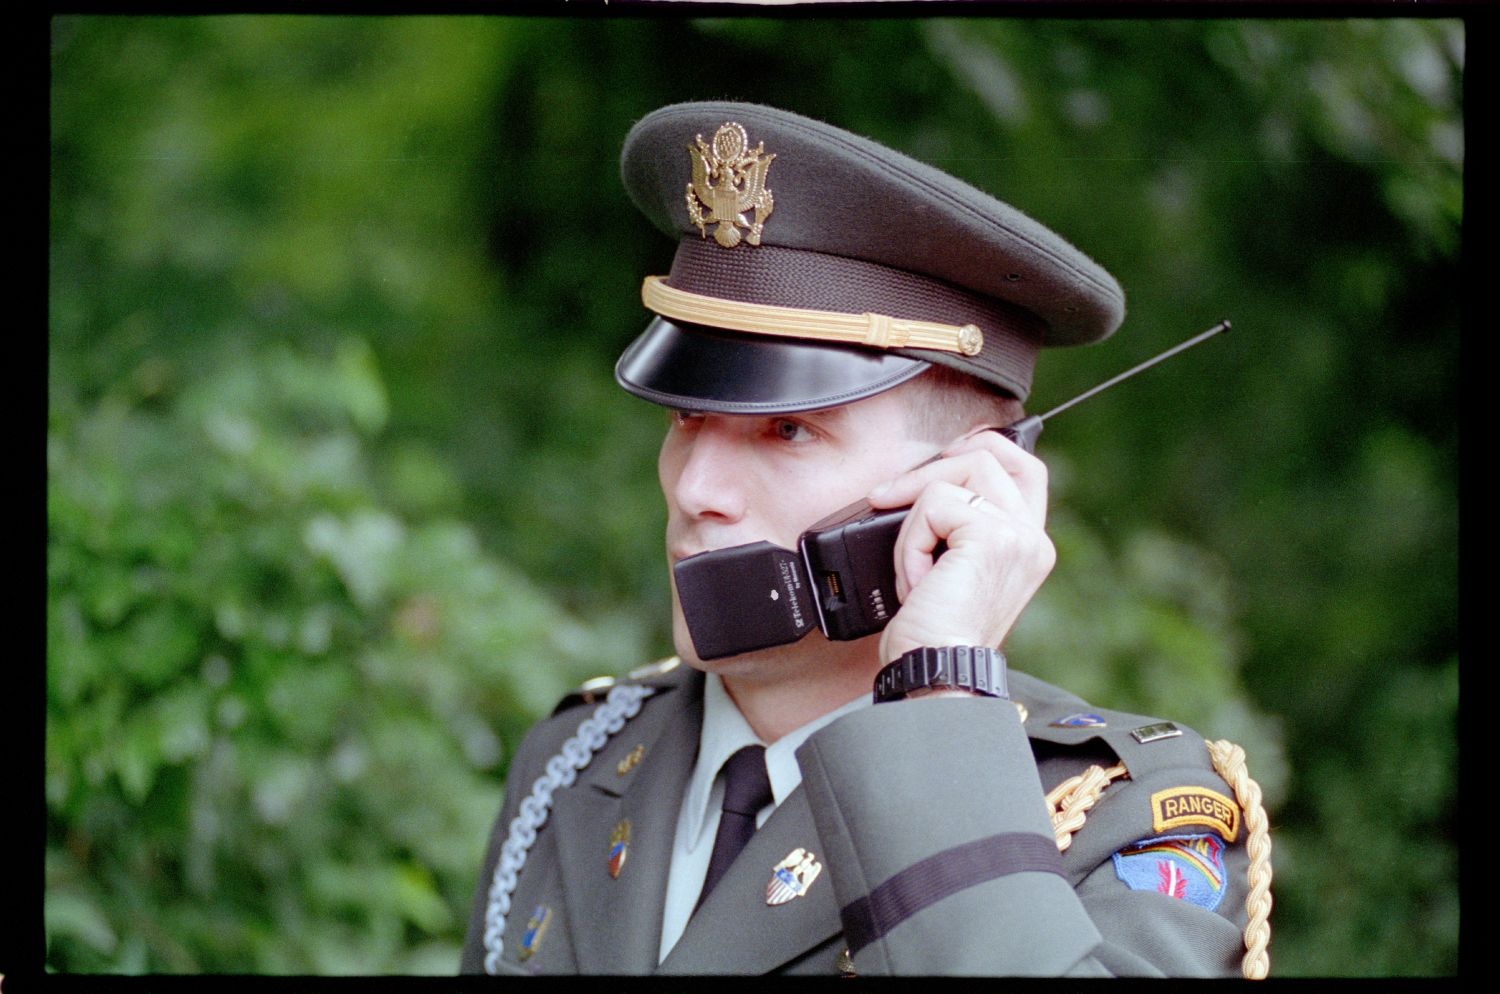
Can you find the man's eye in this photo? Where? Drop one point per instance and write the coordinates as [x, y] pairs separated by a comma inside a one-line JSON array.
[[684, 419], [792, 431]]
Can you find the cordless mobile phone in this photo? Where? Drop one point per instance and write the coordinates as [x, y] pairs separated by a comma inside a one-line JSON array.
[[841, 577]]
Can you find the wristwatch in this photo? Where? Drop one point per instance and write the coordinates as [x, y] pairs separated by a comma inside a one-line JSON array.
[[978, 669]]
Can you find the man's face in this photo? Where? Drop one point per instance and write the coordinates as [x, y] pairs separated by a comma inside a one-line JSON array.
[[733, 479]]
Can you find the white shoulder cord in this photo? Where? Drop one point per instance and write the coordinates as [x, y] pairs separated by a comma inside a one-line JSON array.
[[622, 704]]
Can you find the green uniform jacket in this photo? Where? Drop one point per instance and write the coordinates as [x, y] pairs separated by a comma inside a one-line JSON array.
[[928, 819]]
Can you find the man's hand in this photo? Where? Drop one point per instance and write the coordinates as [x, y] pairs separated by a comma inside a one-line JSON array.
[[985, 497]]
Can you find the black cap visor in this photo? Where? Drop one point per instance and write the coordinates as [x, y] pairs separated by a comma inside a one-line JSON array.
[[697, 368]]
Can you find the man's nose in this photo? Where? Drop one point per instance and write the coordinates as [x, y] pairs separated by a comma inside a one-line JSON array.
[[711, 483]]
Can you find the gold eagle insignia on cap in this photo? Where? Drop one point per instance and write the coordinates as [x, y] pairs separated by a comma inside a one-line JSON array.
[[728, 179]]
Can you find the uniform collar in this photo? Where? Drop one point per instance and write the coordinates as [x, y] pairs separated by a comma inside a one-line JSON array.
[[724, 732]]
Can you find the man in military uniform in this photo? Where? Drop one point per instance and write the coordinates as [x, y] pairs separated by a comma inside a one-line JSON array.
[[837, 314]]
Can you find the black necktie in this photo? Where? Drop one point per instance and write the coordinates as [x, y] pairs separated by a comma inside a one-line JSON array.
[[747, 789]]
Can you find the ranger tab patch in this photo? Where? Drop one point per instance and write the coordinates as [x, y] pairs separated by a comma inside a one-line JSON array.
[[1185, 867], [1183, 806]]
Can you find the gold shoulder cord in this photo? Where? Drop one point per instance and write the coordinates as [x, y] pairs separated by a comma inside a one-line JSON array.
[[1071, 800], [1069, 803], [1229, 763]]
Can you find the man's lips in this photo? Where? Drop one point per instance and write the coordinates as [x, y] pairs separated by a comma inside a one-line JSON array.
[[680, 550], [677, 553]]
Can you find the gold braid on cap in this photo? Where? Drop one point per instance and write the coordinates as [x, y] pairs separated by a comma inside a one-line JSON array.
[[1069, 803], [876, 330]]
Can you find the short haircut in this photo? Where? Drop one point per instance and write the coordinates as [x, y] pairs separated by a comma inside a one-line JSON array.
[[946, 403]]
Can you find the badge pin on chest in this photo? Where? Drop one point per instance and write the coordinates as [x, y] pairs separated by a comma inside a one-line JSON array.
[[536, 928], [619, 848], [631, 761], [792, 876]]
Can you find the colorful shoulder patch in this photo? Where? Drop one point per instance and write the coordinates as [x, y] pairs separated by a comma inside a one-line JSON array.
[[1187, 867]]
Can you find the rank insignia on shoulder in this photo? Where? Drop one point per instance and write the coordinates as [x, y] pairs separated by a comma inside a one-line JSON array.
[[1079, 721], [595, 688], [536, 927], [658, 668], [1184, 806], [591, 691], [1155, 733]]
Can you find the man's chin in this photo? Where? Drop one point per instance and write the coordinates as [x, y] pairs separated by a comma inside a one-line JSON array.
[[795, 661], [682, 641], [778, 663]]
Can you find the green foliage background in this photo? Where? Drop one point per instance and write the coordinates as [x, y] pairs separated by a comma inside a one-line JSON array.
[[341, 494]]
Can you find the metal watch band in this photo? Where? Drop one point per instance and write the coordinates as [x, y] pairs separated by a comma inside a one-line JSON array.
[[979, 669]]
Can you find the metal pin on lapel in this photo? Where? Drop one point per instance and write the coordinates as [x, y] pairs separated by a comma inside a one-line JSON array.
[[531, 939], [619, 847], [630, 761], [792, 876]]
